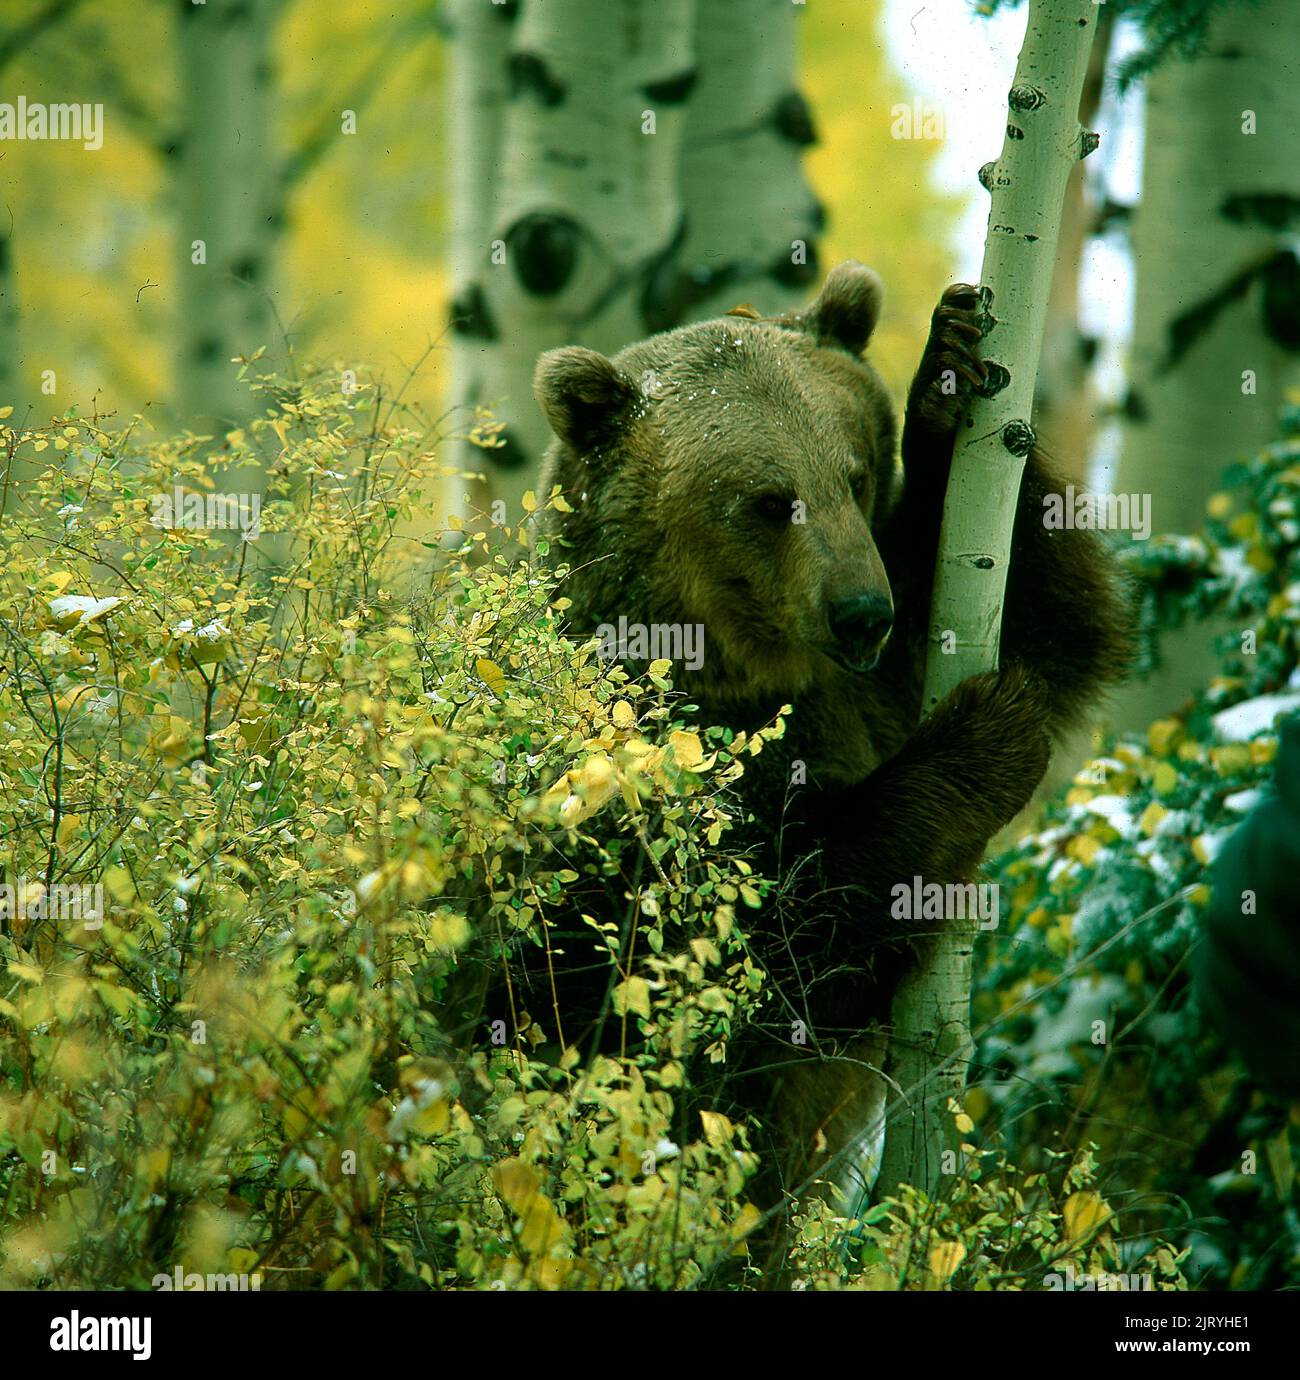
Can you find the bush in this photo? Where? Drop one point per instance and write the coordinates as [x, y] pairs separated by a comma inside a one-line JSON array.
[[259, 798], [1084, 1012]]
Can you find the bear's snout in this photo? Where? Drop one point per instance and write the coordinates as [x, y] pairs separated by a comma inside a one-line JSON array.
[[860, 624]]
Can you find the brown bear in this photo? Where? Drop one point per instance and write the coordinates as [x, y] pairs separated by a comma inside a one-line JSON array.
[[741, 475]]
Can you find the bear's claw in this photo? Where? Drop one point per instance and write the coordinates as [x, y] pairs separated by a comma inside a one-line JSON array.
[[950, 370]]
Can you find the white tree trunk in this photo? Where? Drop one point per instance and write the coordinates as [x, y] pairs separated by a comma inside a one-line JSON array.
[[931, 1041], [1193, 233], [751, 217], [478, 87], [1196, 230], [226, 180], [1065, 405], [587, 205]]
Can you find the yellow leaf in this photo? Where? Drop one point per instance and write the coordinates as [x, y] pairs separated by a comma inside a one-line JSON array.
[[944, 1260], [529, 501], [552, 1274], [1165, 778], [69, 828], [1084, 1213], [297, 1114], [432, 1120], [118, 884], [748, 1218], [633, 995], [540, 1226], [1231, 760], [491, 675], [152, 1166], [623, 714], [1151, 817], [717, 1128], [516, 1183], [1084, 847], [687, 748], [1164, 735]]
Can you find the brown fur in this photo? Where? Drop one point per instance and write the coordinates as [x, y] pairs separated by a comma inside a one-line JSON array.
[[669, 453]]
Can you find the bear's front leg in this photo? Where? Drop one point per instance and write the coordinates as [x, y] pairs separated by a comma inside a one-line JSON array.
[[926, 813], [932, 808]]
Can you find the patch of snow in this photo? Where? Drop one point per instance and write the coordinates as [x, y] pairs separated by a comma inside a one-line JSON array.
[[1252, 717], [1116, 810]]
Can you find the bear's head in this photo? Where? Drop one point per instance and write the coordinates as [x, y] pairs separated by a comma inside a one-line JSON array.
[[726, 476]]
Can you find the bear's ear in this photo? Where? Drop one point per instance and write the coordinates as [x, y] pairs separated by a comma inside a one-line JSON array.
[[585, 398], [847, 308]]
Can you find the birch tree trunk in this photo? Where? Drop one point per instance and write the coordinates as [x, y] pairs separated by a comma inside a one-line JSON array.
[[587, 210], [226, 180], [1214, 240], [931, 1042], [751, 217], [1064, 402], [1220, 198], [478, 87]]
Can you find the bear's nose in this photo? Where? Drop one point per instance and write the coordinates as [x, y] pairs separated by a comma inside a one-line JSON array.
[[860, 624]]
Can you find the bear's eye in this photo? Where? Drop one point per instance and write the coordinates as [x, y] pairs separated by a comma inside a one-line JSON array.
[[774, 507], [858, 485]]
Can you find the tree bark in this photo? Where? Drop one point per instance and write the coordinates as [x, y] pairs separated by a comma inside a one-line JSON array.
[[1216, 204], [478, 87], [1064, 404], [1214, 250], [588, 212], [751, 217], [226, 178], [931, 1042]]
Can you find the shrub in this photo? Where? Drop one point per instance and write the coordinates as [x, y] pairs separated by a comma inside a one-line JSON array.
[[1084, 1010], [288, 775]]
